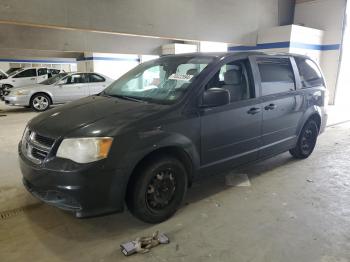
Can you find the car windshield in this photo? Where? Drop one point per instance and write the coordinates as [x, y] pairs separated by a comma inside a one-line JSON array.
[[163, 81], [53, 79], [11, 70], [16, 71]]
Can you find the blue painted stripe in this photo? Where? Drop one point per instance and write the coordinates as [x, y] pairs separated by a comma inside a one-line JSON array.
[[37, 61], [315, 47], [285, 45], [100, 58]]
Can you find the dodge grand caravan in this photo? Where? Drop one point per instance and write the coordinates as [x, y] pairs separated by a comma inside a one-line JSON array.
[[148, 135]]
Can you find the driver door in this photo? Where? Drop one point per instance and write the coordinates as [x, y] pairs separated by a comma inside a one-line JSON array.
[[231, 134]]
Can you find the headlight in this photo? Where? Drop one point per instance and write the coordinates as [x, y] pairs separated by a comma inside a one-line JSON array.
[[85, 150], [20, 92]]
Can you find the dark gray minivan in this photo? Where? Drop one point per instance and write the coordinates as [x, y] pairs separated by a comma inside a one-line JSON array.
[[145, 138]]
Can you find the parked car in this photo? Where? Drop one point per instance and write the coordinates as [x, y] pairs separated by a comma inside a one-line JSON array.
[[25, 76], [59, 89], [208, 113], [22, 77]]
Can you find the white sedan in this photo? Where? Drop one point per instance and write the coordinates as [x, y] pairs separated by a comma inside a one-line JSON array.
[[62, 88]]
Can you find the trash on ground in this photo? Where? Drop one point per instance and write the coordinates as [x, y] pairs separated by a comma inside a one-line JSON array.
[[309, 180], [234, 179], [144, 244]]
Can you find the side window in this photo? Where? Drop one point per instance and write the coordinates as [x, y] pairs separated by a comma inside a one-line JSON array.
[[26, 73], [93, 78], [276, 75], [75, 79], [234, 78], [42, 71], [310, 75]]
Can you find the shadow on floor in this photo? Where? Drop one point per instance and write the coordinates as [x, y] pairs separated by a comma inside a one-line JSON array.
[[50, 220]]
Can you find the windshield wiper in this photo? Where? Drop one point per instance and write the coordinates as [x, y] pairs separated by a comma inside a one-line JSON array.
[[130, 98]]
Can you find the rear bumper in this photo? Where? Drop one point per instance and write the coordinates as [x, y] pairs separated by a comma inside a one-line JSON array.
[[88, 191], [17, 100]]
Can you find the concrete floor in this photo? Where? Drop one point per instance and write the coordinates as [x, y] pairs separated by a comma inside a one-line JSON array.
[[293, 211]]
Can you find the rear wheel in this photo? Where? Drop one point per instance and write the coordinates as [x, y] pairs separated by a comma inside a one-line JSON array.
[[158, 191], [306, 141], [40, 102]]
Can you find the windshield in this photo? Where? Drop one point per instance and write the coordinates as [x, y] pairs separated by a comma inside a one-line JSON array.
[[16, 71], [53, 79], [11, 70], [163, 81]]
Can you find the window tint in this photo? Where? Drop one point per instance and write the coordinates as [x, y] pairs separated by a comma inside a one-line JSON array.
[[234, 78], [276, 76], [310, 75], [26, 73], [42, 71], [95, 78], [75, 79]]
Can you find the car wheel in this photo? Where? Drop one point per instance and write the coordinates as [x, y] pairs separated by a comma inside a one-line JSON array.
[[158, 191], [40, 102], [5, 90], [306, 141]]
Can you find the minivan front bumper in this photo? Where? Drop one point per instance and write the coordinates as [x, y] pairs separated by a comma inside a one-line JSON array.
[[86, 192]]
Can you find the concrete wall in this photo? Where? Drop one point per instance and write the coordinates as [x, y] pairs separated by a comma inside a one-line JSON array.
[[328, 16], [111, 65], [222, 20], [34, 38]]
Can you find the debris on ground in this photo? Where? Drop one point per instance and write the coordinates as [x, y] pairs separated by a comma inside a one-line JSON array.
[[234, 179], [309, 180], [144, 244]]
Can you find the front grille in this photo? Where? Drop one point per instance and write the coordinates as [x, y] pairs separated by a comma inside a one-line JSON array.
[[35, 146], [44, 140], [39, 154]]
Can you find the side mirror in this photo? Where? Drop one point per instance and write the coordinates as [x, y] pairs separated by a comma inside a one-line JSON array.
[[215, 97]]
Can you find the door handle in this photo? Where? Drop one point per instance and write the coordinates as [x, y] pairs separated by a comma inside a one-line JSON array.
[[270, 107], [254, 110]]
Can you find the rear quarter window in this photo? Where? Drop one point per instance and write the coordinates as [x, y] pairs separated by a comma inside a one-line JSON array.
[[276, 75], [310, 74]]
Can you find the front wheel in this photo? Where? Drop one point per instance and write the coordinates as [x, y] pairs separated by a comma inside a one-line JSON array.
[[306, 141], [158, 190], [40, 102]]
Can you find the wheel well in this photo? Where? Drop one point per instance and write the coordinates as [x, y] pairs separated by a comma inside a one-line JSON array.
[[317, 119], [43, 93], [173, 151]]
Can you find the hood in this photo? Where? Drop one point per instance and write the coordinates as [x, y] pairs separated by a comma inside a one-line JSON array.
[[82, 115]]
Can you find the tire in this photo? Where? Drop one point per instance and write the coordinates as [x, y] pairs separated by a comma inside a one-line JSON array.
[[306, 141], [6, 89], [158, 190], [40, 102]]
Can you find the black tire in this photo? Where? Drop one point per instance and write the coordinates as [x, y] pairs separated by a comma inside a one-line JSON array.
[[157, 190], [40, 102], [6, 89], [306, 141]]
